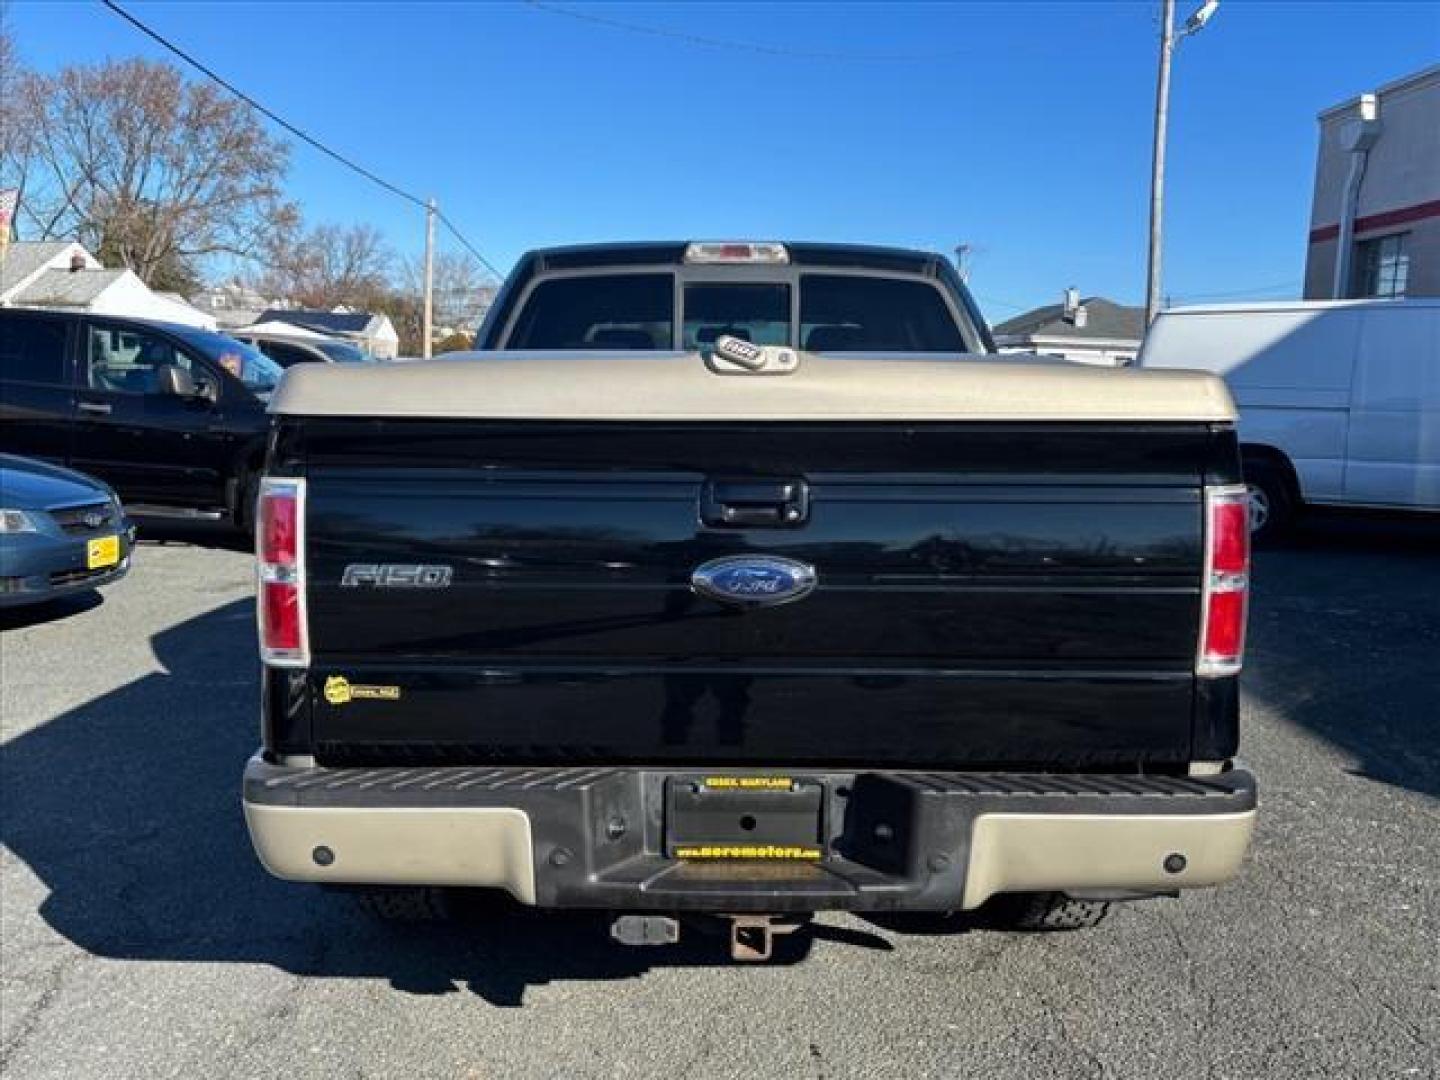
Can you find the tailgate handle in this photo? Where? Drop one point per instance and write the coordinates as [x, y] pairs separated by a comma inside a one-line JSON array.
[[755, 503]]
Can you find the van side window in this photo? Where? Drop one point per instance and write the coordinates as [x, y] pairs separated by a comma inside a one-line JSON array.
[[126, 360], [32, 350]]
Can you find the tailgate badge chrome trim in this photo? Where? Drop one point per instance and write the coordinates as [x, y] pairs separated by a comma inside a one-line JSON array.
[[754, 580]]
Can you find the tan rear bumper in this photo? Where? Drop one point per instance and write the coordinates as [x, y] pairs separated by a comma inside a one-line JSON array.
[[1075, 852], [474, 846], [547, 837]]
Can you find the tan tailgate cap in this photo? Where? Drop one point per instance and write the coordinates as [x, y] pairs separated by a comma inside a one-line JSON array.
[[678, 386]]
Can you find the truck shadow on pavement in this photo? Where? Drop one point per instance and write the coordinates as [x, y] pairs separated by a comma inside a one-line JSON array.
[[127, 809], [1344, 640]]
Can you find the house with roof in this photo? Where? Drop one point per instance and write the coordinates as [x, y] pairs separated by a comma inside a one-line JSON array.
[[233, 304], [1092, 330], [374, 333], [62, 275]]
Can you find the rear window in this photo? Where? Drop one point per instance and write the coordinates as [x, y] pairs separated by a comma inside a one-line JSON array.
[[838, 313], [843, 313], [758, 313], [611, 311]]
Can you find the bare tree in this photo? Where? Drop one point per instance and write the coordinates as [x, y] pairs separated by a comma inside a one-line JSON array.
[[140, 166], [462, 289], [327, 265]]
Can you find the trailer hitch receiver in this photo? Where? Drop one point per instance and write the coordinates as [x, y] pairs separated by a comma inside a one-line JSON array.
[[752, 937]]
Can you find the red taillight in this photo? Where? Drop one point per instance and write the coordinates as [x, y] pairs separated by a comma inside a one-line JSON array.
[[280, 554], [279, 617], [279, 516], [1227, 581]]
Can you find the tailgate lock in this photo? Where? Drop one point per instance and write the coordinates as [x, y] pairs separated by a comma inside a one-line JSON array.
[[732, 355], [753, 503]]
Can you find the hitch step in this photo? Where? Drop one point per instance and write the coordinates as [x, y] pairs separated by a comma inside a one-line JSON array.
[[645, 930]]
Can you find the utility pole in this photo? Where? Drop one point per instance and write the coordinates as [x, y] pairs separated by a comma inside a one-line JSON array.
[[1157, 158], [1168, 40], [962, 262], [428, 320]]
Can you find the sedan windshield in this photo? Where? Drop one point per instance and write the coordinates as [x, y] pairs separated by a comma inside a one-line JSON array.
[[345, 353]]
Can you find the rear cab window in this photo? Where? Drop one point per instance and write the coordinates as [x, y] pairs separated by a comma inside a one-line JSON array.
[[598, 311], [756, 312], [848, 313], [815, 311]]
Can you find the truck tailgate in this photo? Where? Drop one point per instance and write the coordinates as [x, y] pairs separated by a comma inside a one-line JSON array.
[[1008, 594]]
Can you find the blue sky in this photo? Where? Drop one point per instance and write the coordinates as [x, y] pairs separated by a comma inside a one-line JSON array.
[[1022, 129]]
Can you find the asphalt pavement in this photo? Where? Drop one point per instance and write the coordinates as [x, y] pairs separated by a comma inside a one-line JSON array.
[[140, 938]]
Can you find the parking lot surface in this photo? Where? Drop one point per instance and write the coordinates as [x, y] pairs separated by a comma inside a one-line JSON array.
[[141, 938]]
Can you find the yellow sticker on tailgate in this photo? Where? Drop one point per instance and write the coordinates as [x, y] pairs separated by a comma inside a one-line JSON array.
[[101, 552], [747, 851], [748, 783], [341, 691]]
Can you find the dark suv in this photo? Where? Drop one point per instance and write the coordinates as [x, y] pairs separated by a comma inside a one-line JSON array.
[[170, 416]]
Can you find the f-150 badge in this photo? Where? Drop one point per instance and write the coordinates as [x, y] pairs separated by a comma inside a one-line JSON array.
[[754, 580], [396, 576]]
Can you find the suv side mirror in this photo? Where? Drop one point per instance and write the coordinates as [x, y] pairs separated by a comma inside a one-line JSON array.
[[174, 381]]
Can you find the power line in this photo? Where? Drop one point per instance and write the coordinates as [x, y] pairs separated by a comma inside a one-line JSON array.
[[733, 43], [486, 263], [303, 136]]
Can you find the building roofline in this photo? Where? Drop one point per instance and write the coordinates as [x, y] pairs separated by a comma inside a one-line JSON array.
[[1405, 82], [1051, 339], [1302, 305]]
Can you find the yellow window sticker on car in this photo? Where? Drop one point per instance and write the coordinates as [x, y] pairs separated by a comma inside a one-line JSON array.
[[340, 691]]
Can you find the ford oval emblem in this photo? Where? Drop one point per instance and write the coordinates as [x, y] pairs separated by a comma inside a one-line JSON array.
[[754, 580]]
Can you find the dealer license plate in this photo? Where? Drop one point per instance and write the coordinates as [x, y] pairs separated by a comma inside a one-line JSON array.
[[745, 818], [101, 552]]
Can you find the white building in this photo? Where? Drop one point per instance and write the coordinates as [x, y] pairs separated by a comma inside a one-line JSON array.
[[63, 276], [1375, 218], [233, 304]]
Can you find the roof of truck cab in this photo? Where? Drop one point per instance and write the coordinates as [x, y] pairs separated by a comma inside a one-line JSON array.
[[665, 252], [675, 386]]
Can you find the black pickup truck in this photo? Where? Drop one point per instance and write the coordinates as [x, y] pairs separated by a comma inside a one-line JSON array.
[[739, 579]]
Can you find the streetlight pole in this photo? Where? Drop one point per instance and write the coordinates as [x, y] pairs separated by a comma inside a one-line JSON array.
[[429, 316], [1168, 40], [1157, 159]]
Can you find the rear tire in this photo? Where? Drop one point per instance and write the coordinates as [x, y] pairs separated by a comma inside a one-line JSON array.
[[404, 905], [1272, 501], [1048, 911]]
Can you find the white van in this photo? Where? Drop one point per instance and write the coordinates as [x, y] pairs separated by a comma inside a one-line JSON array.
[[1339, 400]]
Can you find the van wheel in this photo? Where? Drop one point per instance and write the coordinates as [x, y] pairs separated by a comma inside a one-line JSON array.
[[1272, 503], [1046, 911], [404, 905]]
